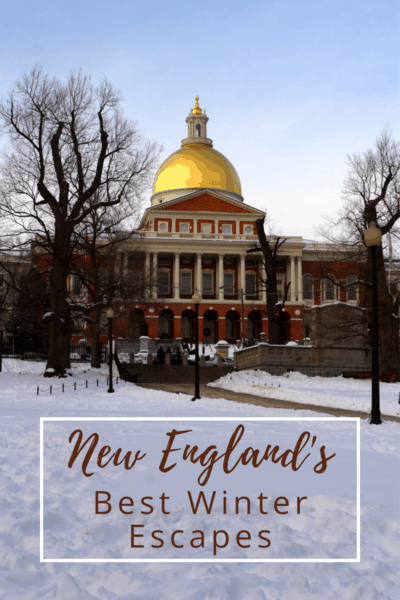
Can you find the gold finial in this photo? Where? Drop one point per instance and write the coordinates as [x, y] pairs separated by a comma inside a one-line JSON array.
[[197, 110]]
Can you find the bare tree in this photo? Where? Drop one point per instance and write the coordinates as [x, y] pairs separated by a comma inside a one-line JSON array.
[[66, 142], [269, 248], [104, 253], [371, 192]]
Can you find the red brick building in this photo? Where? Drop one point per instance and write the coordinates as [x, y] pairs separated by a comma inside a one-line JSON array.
[[196, 235]]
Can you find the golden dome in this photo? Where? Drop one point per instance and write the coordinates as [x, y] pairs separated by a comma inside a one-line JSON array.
[[197, 166]]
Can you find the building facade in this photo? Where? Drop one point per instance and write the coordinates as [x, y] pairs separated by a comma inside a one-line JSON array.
[[196, 235]]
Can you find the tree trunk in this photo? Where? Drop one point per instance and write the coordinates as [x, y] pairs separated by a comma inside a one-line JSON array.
[[274, 305], [275, 321], [388, 327], [95, 334], [67, 340], [388, 322], [55, 366], [57, 362], [389, 345]]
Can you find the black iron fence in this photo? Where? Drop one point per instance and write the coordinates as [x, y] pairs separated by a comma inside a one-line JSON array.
[[79, 352], [83, 352], [24, 350]]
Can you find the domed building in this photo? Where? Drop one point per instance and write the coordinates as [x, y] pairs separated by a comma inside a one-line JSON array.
[[196, 165], [196, 234]]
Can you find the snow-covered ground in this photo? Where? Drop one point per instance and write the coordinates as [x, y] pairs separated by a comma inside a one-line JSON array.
[[327, 525], [337, 392]]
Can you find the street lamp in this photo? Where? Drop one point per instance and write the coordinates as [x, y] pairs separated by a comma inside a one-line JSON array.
[[372, 238], [110, 315], [196, 299]]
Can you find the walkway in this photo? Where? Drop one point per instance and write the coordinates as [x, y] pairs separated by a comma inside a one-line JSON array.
[[212, 392]]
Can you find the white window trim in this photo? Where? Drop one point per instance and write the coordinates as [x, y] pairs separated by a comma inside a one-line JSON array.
[[233, 284], [164, 270], [207, 225], [356, 283], [209, 271], [166, 230], [184, 225], [255, 282], [230, 228], [180, 280], [333, 281], [308, 301]]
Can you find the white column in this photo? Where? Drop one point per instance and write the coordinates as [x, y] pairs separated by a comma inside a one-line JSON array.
[[154, 274], [299, 279], [173, 224], [199, 283], [292, 280], [195, 226], [220, 277], [147, 275], [176, 276], [242, 279]]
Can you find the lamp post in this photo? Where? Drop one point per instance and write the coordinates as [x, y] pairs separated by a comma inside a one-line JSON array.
[[110, 315], [372, 238], [196, 299]]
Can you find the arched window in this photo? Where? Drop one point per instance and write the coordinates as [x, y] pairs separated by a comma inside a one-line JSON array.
[[307, 287], [251, 327], [253, 324], [351, 288], [165, 325], [210, 327], [198, 130], [186, 326], [329, 290], [230, 327]]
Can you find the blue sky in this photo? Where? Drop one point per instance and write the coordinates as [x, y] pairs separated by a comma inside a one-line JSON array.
[[290, 87]]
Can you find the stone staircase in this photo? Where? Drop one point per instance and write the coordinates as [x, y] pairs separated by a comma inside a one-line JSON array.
[[137, 373]]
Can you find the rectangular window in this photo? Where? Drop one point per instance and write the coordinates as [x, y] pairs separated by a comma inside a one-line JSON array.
[[206, 228], [250, 263], [163, 283], [250, 284], [307, 287], [163, 262], [279, 264], [279, 285], [229, 284], [329, 290], [352, 288], [184, 227], [186, 283], [207, 284], [76, 284], [226, 228]]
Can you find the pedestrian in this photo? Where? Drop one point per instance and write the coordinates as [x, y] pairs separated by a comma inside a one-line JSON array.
[[161, 355]]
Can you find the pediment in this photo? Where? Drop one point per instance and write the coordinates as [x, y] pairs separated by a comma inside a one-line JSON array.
[[205, 201]]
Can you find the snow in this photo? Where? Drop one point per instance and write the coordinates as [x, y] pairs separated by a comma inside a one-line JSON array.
[[338, 303], [328, 525], [335, 392]]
